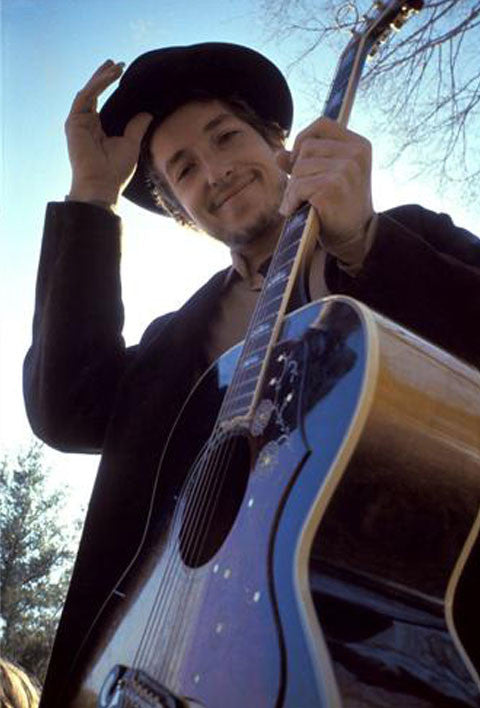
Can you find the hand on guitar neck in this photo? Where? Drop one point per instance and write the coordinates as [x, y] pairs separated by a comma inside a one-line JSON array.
[[330, 168]]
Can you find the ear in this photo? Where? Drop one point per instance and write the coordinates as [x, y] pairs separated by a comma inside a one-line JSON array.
[[277, 140], [284, 160]]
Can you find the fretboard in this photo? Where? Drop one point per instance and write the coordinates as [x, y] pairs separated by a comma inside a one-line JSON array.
[[264, 326], [297, 234]]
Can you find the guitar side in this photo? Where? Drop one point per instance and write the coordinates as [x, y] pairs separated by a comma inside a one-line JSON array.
[[390, 546]]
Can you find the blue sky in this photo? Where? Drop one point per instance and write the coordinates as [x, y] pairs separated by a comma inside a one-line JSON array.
[[49, 49]]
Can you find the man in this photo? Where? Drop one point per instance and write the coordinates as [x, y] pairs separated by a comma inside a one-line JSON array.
[[208, 122]]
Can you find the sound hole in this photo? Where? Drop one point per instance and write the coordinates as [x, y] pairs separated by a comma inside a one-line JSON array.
[[213, 499]]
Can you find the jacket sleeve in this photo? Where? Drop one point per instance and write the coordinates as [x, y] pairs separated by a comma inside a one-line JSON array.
[[73, 369], [423, 272]]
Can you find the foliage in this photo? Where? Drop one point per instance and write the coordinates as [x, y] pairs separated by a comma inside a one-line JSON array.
[[422, 89], [35, 562]]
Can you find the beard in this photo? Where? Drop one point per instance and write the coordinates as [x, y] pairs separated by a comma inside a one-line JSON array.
[[265, 226], [262, 228]]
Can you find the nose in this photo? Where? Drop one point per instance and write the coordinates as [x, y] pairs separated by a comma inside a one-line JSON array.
[[218, 172]]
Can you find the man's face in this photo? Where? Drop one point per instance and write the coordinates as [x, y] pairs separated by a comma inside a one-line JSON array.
[[222, 171]]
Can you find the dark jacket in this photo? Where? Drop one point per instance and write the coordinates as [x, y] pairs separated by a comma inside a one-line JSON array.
[[86, 392]]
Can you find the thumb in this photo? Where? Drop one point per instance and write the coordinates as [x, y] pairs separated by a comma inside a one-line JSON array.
[[137, 127]]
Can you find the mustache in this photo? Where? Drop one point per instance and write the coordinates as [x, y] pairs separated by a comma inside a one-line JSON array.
[[229, 189]]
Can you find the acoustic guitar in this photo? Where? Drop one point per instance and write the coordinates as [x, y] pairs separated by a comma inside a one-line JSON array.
[[319, 549]]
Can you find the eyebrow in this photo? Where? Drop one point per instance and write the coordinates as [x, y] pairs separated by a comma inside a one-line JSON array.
[[211, 125]]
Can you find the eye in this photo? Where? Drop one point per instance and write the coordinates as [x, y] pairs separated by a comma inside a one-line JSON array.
[[227, 136], [185, 170]]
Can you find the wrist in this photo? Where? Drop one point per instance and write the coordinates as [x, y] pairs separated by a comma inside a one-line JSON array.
[[101, 195], [352, 259], [94, 202]]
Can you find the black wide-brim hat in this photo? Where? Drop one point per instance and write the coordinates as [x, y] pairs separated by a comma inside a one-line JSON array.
[[162, 80]]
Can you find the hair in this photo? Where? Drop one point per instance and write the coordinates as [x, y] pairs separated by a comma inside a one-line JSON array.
[[17, 690], [161, 191]]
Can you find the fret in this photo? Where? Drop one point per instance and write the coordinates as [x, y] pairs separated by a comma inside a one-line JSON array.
[[246, 382], [239, 396], [260, 342], [232, 406], [285, 262], [342, 91], [334, 105], [279, 279], [251, 360], [271, 301], [258, 351], [242, 390], [340, 84], [267, 311], [236, 395], [261, 329], [273, 290], [224, 421], [284, 249]]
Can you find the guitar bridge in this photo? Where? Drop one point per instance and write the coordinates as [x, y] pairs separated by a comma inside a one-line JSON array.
[[132, 687]]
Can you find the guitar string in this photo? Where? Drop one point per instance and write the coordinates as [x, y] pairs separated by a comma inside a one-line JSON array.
[[170, 566], [156, 620], [198, 533], [182, 627], [199, 539], [170, 553], [330, 98], [336, 97], [171, 580], [157, 652], [237, 379], [263, 306], [266, 304]]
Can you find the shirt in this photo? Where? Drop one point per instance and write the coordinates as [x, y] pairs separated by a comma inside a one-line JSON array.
[[241, 290]]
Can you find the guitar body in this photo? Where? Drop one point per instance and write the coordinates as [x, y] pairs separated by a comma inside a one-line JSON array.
[[296, 561]]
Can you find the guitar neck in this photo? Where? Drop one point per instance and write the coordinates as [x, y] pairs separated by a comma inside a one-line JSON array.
[[264, 328], [299, 231]]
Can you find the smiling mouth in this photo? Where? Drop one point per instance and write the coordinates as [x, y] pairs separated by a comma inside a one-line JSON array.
[[232, 193]]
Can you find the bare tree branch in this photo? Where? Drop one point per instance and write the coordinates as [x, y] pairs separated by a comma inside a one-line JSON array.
[[423, 89]]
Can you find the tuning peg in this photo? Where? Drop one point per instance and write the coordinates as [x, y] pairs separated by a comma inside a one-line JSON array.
[[415, 5], [397, 23]]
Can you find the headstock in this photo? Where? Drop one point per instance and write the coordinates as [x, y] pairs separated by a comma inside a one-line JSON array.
[[391, 16], [382, 19]]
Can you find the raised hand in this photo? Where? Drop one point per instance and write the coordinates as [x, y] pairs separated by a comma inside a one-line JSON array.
[[330, 168], [101, 165]]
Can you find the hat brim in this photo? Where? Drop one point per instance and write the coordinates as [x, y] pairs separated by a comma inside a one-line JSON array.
[[162, 80]]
